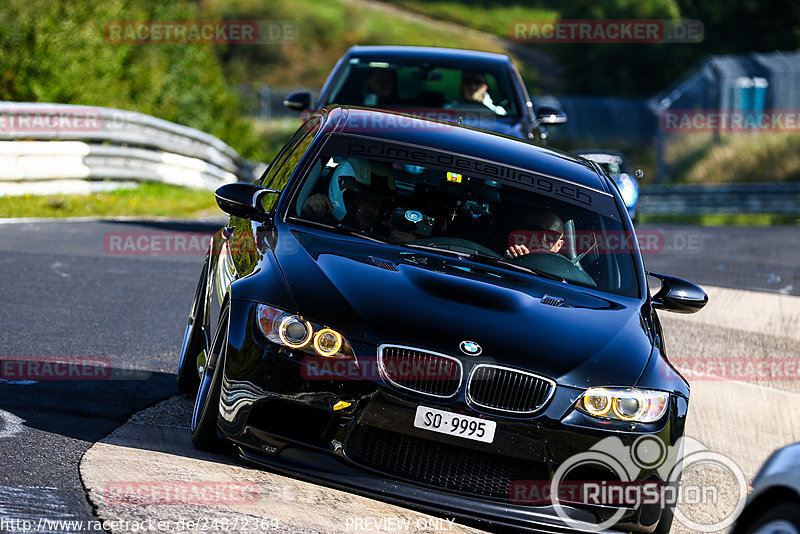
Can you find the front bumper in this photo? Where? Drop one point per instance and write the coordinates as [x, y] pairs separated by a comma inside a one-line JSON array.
[[281, 417]]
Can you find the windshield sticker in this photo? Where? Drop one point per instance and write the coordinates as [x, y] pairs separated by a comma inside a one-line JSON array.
[[570, 192]]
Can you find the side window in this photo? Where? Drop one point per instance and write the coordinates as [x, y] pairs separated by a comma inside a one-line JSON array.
[[284, 169], [309, 127]]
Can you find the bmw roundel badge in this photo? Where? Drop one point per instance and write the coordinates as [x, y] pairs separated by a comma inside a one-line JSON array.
[[470, 348]]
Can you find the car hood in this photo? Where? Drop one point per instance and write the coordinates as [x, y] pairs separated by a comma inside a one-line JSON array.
[[377, 293]]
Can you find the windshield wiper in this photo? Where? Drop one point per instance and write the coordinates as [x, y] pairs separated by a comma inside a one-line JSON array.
[[446, 251], [345, 229], [352, 230], [486, 259], [495, 260]]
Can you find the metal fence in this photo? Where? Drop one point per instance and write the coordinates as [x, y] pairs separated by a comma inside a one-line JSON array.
[[708, 199], [50, 142]]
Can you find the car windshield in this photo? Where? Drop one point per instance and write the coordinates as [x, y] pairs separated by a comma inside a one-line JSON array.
[[426, 85], [434, 200]]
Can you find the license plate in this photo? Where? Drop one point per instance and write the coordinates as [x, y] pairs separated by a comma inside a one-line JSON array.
[[454, 424]]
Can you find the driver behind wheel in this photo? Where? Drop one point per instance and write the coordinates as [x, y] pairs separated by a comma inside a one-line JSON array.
[[545, 233], [473, 88]]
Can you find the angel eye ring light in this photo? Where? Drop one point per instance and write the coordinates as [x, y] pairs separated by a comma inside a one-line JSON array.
[[327, 342], [290, 321]]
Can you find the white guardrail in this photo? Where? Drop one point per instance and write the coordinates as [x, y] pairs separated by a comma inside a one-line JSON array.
[[70, 148]]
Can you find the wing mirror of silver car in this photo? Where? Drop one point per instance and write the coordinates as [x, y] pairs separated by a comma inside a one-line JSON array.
[[678, 295]]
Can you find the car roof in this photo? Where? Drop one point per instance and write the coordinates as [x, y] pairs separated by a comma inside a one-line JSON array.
[[426, 52], [456, 138], [599, 151]]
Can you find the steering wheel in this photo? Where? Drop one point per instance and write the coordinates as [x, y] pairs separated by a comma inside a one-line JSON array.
[[456, 244], [556, 264]]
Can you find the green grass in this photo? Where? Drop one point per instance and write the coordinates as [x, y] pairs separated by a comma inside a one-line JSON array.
[[273, 134], [495, 19], [149, 199], [325, 31], [743, 219], [736, 158]]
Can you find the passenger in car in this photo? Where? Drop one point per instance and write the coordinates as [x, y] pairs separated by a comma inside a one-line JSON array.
[[545, 233], [357, 195], [381, 88]]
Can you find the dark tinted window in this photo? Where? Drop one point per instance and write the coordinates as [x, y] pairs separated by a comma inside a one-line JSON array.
[[286, 163], [477, 88], [546, 226], [306, 131]]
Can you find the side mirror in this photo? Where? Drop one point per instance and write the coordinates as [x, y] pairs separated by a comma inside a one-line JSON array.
[[298, 101], [550, 115], [678, 295], [243, 200]]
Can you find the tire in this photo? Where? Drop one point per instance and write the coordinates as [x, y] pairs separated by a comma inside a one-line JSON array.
[[206, 404], [194, 340], [781, 518], [665, 523]]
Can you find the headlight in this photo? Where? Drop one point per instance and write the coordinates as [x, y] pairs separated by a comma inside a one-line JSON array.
[[624, 404], [628, 190], [295, 332]]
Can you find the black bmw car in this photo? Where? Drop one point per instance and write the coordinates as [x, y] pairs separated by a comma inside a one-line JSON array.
[[436, 316]]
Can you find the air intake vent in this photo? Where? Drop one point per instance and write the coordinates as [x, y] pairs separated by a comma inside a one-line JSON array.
[[439, 465], [421, 371], [508, 390], [552, 301], [384, 264]]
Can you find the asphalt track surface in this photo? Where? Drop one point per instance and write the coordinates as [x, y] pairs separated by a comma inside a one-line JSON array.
[[65, 294]]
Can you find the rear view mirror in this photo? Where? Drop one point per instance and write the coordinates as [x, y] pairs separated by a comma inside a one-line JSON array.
[[298, 101], [550, 115], [243, 200], [678, 295]]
